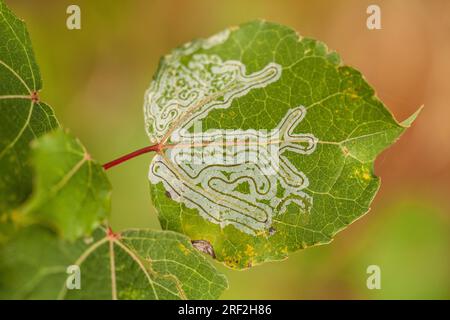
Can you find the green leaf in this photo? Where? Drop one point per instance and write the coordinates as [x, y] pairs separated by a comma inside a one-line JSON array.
[[70, 196], [137, 264], [248, 79], [23, 116], [71, 191]]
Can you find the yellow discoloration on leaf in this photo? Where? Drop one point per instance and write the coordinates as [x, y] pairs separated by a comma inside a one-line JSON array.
[[184, 249], [233, 262], [363, 173], [261, 233], [250, 251], [18, 218]]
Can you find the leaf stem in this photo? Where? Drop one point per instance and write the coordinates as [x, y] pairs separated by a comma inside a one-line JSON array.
[[154, 148]]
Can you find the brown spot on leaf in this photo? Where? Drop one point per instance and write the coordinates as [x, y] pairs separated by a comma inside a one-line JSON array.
[[345, 151], [111, 235], [272, 231], [87, 156], [204, 246], [35, 97]]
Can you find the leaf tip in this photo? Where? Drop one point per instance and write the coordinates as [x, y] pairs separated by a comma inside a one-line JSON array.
[[409, 121]]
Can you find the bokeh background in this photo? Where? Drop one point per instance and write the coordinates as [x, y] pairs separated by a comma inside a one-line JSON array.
[[95, 79]]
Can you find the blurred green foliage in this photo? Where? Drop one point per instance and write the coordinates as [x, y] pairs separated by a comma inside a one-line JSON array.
[[409, 241]]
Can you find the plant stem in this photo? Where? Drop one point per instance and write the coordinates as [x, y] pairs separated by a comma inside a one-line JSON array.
[[154, 148]]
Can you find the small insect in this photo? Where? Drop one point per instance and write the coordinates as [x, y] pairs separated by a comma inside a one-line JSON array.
[[272, 231], [204, 246]]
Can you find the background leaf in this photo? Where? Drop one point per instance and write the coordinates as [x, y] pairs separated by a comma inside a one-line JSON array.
[[71, 191], [139, 264], [71, 194], [24, 117], [347, 123]]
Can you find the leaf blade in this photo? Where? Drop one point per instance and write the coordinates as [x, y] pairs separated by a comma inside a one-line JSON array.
[[48, 256], [338, 116], [71, 191], [23, 117]]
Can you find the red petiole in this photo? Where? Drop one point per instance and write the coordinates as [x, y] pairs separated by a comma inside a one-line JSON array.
[[154, 148]]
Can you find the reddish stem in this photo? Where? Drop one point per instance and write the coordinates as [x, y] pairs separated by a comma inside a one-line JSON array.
[[153, 148], [110, 234]]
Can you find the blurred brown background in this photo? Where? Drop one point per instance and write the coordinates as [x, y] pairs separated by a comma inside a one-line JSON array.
[[95, 79]]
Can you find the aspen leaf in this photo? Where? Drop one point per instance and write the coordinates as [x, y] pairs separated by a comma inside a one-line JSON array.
[[254, 93], [137, 264], [23, 116]]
